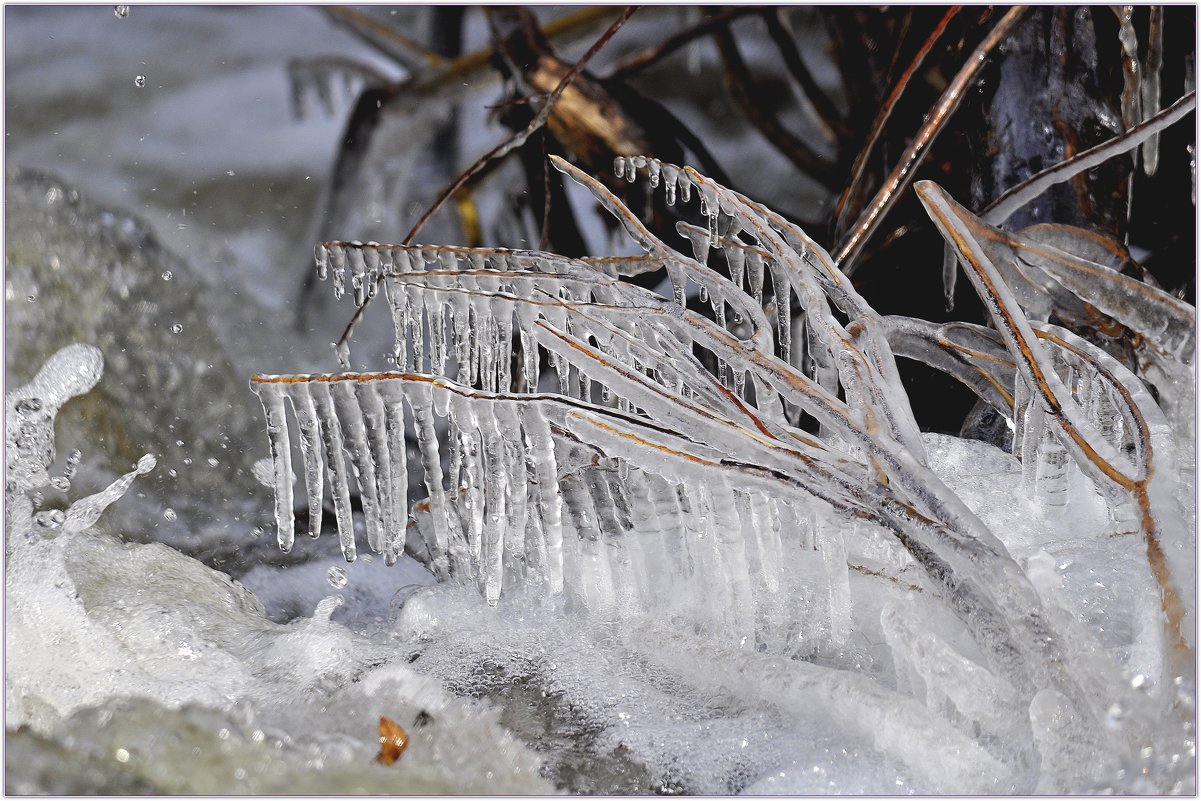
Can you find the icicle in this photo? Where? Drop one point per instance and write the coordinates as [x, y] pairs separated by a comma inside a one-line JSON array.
[[702, 240], [833, 550], [358, 270], [321, 256], [1054, 463], [542, 458], [516, 505], [1150, 90], [619, 167], [438, 338], [416, 332], [420, 399], [685, 185], [563, 368], [473, 486], [372, 262], [272, 397], [1103, 411], [376, 430], [331, 435], [355, 437], [782, 289], [654, 167], [1032, 434], [487, 353], [398, 301], [730, 543], [503, 315], [612, 548], [310, 437], [495, 470], [529, 353], [338, 255], [736, 259], [394, 538], [754, 264], [679, 281]]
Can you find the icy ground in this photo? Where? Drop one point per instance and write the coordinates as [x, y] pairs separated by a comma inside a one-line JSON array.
[[134, 666]]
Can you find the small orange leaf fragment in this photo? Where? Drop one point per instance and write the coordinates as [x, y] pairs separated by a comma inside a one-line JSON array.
[[393, 740]]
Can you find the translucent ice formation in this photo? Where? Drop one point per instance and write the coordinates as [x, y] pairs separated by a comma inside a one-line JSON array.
[[668, 481]]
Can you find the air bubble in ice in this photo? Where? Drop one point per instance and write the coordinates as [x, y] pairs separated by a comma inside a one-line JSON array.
[[167, 275], [212, 461], [176, 328], [29, 405], [337, 577], [139, 81], [168, 514]]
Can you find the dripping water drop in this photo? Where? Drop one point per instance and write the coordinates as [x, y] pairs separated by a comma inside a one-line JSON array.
[[337, 577]]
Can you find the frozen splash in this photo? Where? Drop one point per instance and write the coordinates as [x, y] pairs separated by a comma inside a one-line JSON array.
[[30, 452]]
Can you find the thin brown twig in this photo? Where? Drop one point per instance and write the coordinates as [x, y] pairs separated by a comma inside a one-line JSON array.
[[501, 150], [902, 174], [544, 237], [741, 85], [385, 38], [855, 185], [653, 55]]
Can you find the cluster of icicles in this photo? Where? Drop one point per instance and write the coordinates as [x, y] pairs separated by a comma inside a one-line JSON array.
[[668, 461]]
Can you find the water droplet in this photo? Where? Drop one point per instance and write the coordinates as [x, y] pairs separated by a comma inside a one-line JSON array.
[[337, 577], [168, 514], [1138, 681], [187, 460], [176, 328], [31, 298], [121, 12], [29, 405], [167, 275], [140, 81], [258, 531], [51, 518], [213, 462]]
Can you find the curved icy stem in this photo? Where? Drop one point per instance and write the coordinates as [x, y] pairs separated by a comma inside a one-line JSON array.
[[1089, 448]]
